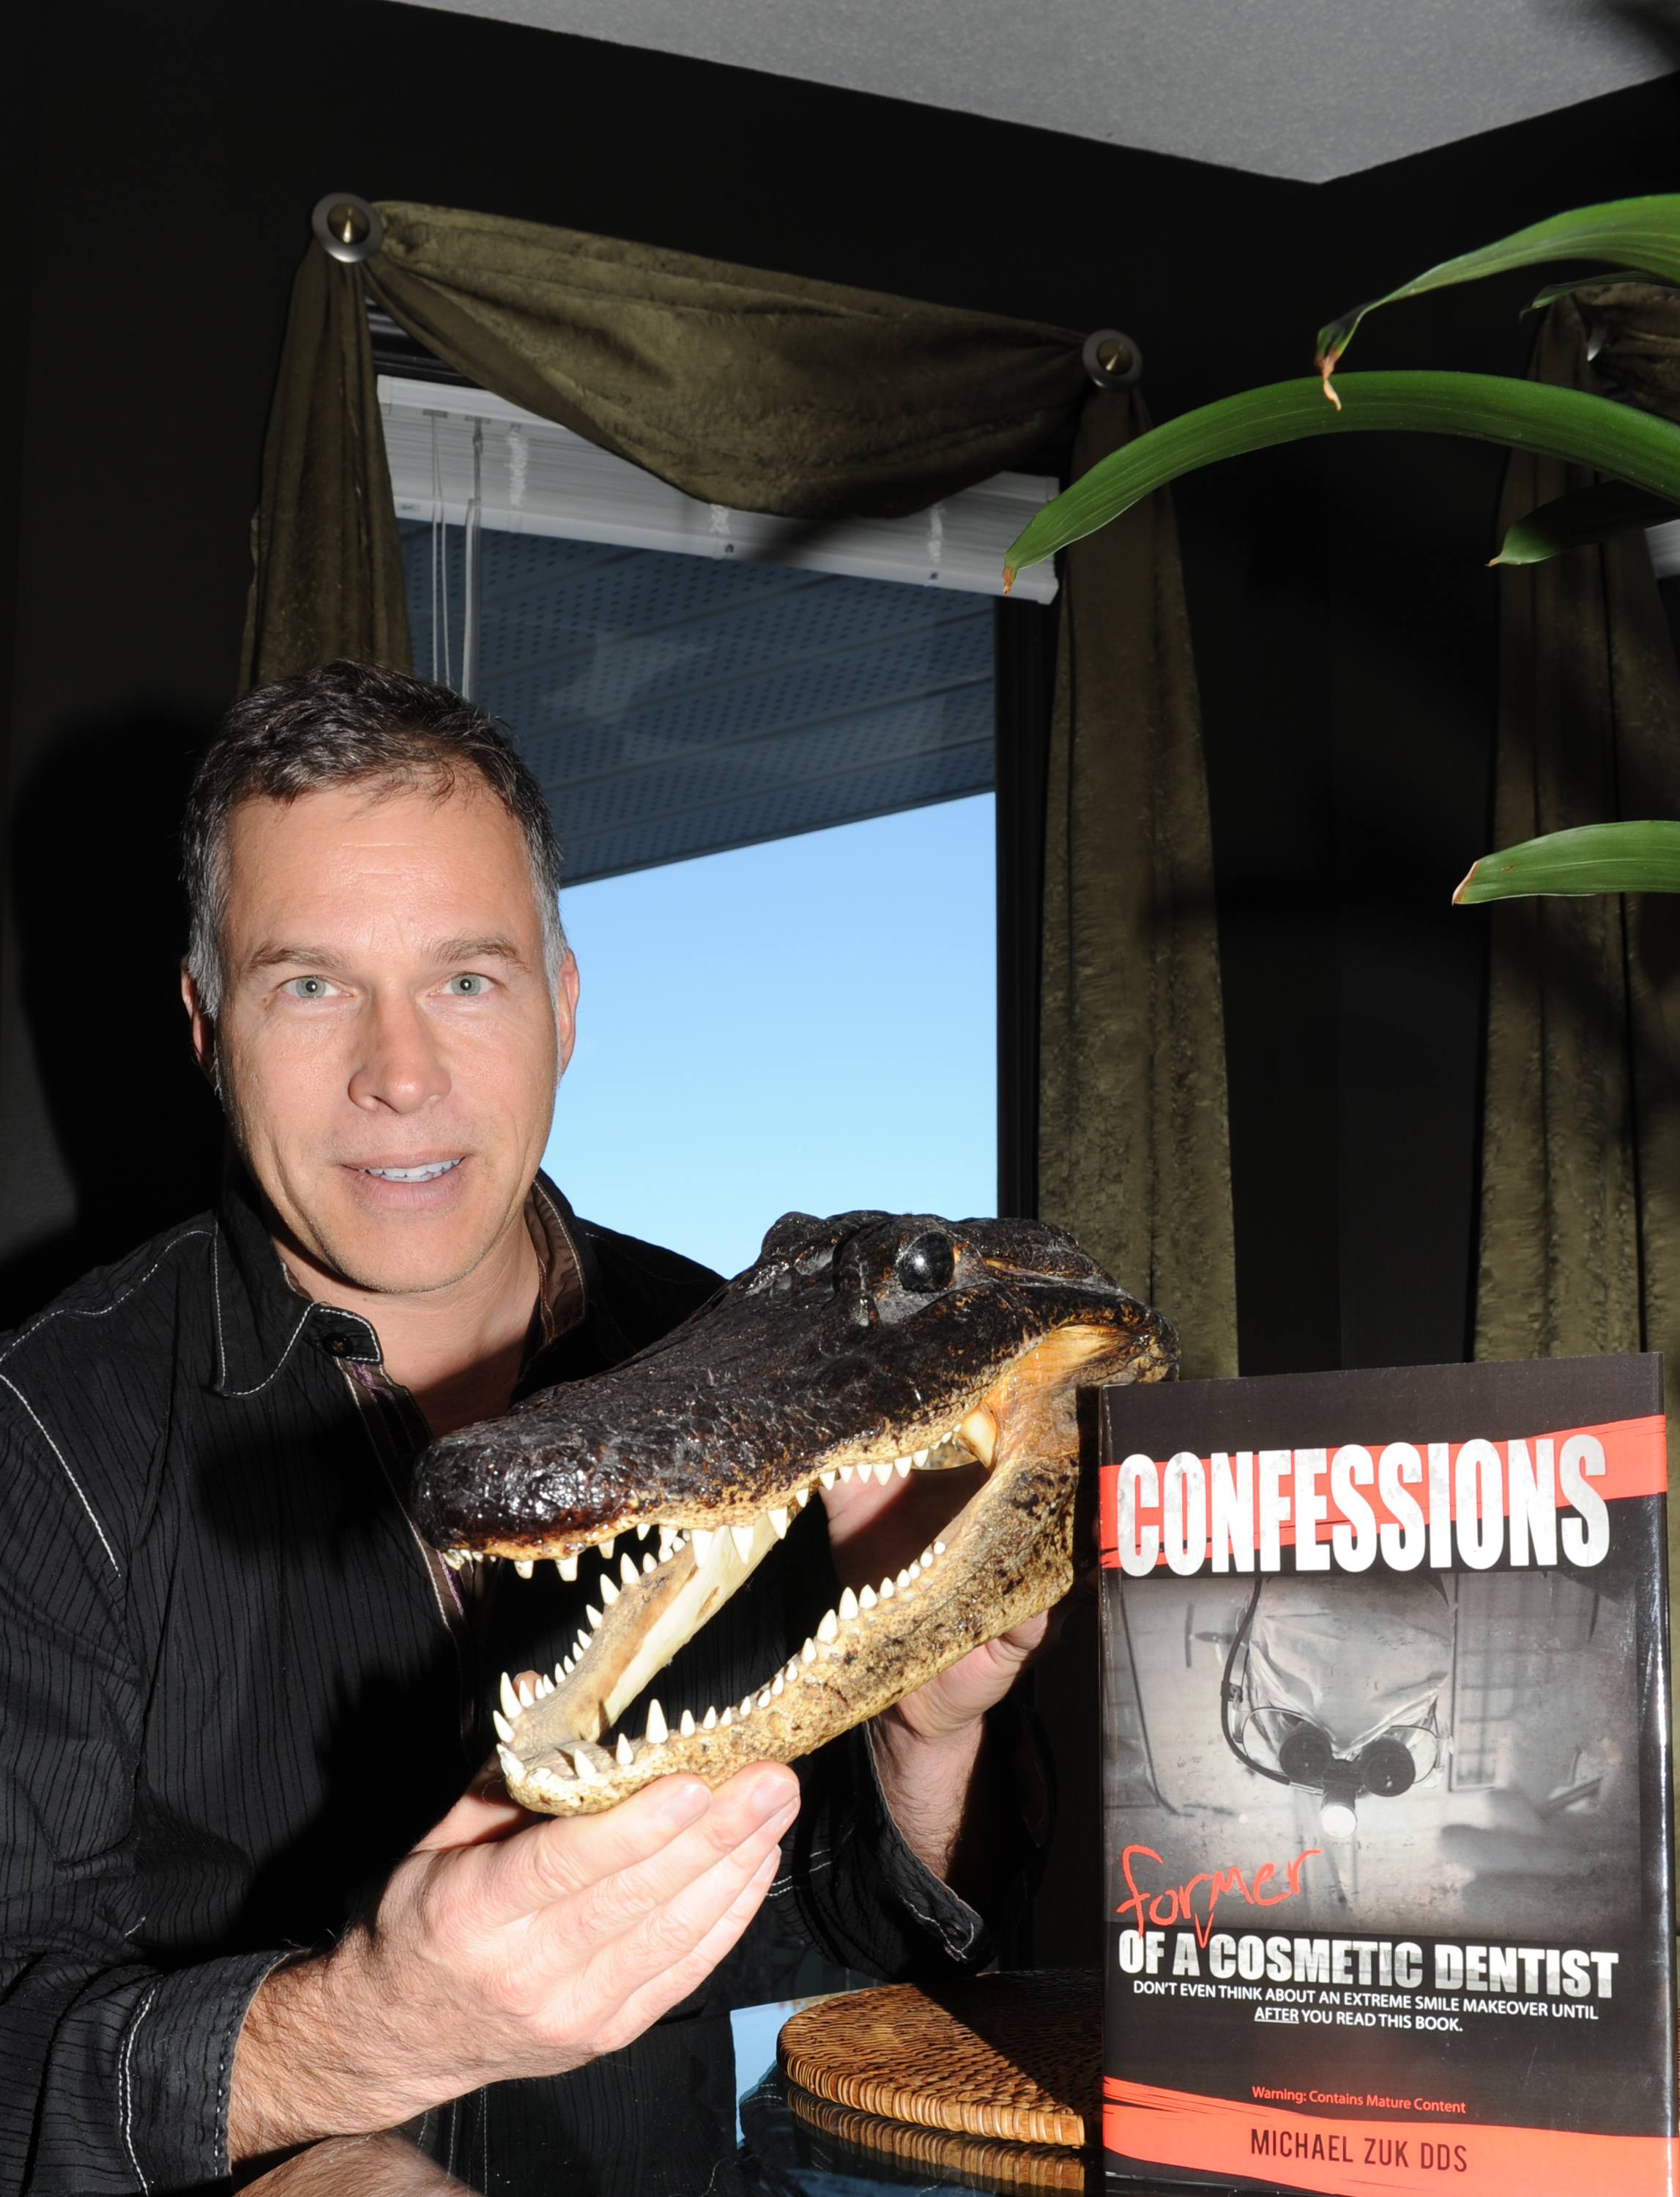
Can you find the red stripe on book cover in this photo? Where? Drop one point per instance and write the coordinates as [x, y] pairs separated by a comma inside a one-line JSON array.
[[1634, 1464], [1254, 2143]]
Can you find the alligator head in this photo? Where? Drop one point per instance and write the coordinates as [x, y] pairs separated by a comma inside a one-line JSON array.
[[867, 1343]]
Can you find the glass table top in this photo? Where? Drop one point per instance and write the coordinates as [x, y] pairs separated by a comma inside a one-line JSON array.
[[693, 2109]]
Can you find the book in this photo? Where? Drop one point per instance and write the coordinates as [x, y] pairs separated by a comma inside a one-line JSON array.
[[1388, 1852]]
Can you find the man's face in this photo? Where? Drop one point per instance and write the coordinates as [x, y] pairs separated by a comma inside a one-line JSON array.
[[389, 1043]]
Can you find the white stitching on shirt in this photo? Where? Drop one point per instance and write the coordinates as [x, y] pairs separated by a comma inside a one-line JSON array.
[[98, 1312], [140, 2014], [221, 1352], [87, 1506], [88, 1311]]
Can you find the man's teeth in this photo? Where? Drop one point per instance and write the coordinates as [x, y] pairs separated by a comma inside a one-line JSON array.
[[577, 1761], [429, 1172]]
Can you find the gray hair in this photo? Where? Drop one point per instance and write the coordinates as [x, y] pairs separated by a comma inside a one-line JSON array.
[[350, 724]]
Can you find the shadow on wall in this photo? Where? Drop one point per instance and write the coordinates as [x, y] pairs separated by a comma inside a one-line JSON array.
[[1658, 20], [100, 925]]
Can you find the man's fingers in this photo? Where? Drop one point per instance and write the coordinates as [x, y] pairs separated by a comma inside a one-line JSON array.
[[558, 1855], [614, 1901], [645, 2006], [661, 1948], [637, 1853]]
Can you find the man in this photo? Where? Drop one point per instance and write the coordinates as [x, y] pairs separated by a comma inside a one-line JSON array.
[[238, 1688]]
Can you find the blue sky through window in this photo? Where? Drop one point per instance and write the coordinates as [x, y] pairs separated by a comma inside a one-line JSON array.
[[808, 1022]]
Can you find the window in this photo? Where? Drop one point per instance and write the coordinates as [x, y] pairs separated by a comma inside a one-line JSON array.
[[770, 766]]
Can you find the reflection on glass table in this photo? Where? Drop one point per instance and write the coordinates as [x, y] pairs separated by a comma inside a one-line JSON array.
[[692, 2109]]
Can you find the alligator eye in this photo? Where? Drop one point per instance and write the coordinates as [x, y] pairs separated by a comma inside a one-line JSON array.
[[927, 1264]]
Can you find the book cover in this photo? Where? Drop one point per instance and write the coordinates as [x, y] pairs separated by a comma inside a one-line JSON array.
[[1385, 1782]]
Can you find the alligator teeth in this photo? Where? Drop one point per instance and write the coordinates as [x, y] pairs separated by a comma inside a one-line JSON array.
[[642, 1531], [920, 1458], [702, 1537], [503, 1728], [585, 1770], [544, 1688], [777, 1683], [510, 1764], [888, 1590], [867, 1597], [807, 1654], [650, 1563], [764, 1698], [566, 1566], [828, 1478], [658, 1731], [580, 1647], [830, 1627], [848, 1603], [527, 1694], [745, 1709], [607, 1546], [728, 1716], [609, 1591], [685, 1724], [669, 1543], [709, 1722], [845, 1472], [804, 1496], [980, 1431], [743, 1537], [594, 1615], [627, 1569], [927, 1556], [904, 1577], [454, 1558], [779, 1523], [510, 1700], [902, 1468], [524, 1566], [563, 1670], [939, 1548], [625, 1752], [884, 1471]]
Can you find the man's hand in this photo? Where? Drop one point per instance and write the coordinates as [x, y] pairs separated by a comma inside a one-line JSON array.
[[927, 1747], [498, 1951]]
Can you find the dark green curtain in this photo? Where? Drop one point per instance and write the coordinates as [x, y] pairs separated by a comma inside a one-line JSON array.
[[1133, 1144], [766, 392], [1580, 1201]]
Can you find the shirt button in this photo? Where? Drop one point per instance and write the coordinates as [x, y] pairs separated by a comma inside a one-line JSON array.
[[340, 1346]]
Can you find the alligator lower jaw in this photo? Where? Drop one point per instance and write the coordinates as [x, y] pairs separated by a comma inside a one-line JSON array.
[[1005, 1557]]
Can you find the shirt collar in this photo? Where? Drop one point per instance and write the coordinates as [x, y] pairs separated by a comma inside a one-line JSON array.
[[262, 1321]]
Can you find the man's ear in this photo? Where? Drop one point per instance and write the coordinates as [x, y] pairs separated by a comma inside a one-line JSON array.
[[566, 1007], [203, 1030]]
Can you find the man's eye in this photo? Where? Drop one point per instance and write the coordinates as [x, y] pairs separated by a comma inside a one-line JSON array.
[[467, 987], [308, 987]]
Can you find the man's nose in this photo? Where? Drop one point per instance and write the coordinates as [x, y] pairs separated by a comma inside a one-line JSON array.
[[400, 1068]]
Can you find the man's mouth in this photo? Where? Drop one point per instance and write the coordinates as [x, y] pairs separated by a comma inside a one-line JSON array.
[[428, 1171]]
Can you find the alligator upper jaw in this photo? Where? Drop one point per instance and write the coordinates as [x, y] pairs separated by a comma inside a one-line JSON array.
[[1003, 1558]]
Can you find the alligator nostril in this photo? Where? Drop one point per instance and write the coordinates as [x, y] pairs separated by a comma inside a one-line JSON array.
[[928, 1264]]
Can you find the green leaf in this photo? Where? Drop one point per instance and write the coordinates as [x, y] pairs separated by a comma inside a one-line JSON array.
[[1574, 522], [1637, 447], [1553, 290], [1594, 858], [1640, 233]]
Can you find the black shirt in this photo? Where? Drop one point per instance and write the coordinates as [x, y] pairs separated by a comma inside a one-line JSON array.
[[236, 1685]]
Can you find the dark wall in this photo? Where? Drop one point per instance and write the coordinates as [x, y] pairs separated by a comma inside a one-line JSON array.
[[1344, 623], [1342, 618]]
